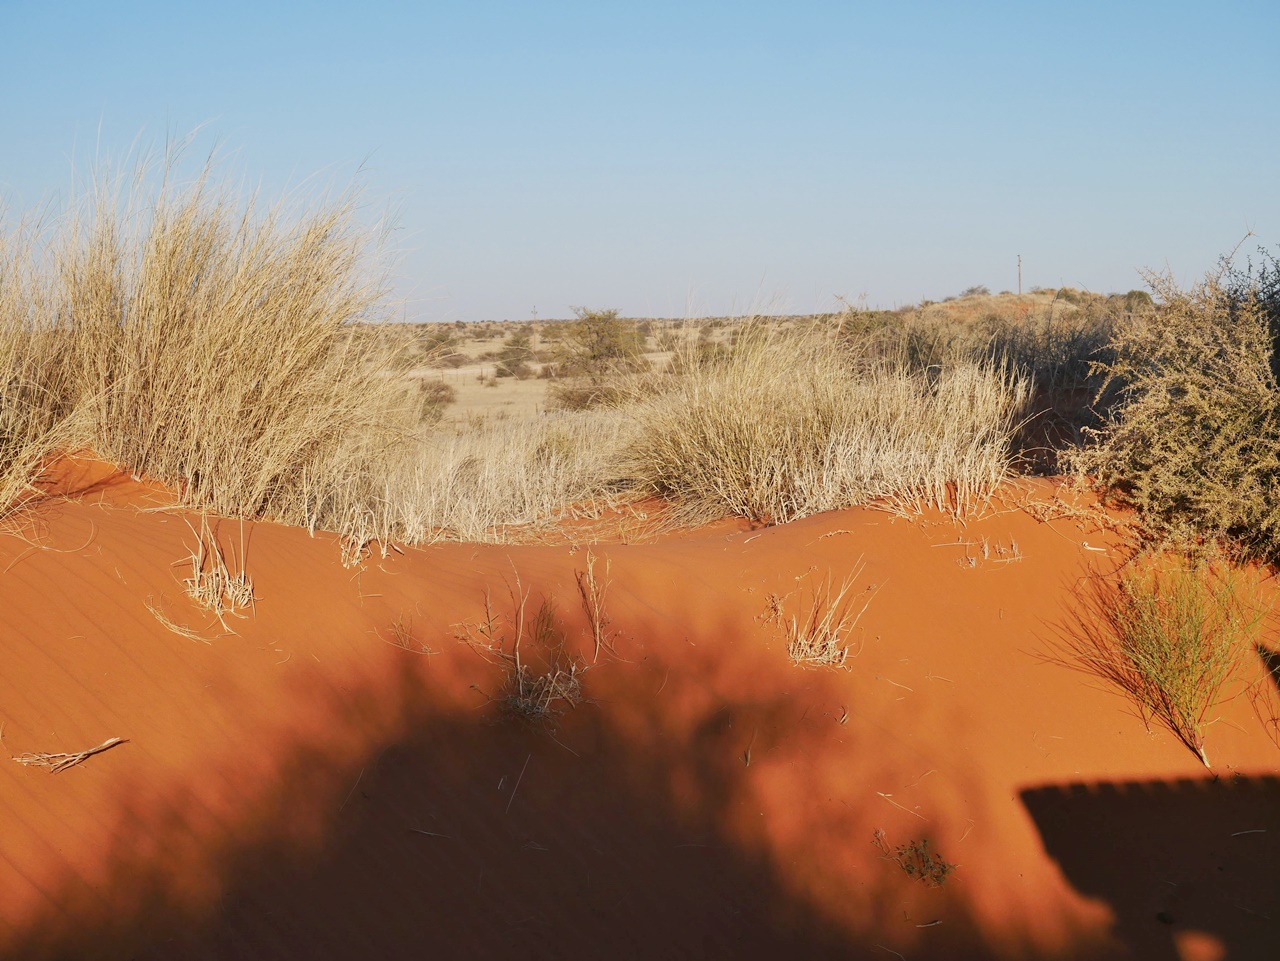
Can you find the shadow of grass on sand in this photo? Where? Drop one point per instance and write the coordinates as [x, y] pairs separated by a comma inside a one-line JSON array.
[[616, 832]]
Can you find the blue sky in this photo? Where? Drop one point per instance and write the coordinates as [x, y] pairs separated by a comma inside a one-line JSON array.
[[692, 158]]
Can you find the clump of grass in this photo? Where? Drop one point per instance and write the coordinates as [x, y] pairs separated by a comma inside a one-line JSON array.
[[212, 584], [201, 339], [527, 692], [1172, 639], [787, 426], [819, 637], [916, 860]]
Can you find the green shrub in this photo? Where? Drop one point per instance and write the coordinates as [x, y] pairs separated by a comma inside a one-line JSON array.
[[1170, 639], [597, 353], [1191, 437]]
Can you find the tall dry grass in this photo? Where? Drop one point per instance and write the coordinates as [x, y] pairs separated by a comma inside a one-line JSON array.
[[785, 426], [482, 481], [202, 340], [208, 341], [32, 421]]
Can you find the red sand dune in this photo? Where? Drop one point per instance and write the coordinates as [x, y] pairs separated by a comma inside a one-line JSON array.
[[305, 788]]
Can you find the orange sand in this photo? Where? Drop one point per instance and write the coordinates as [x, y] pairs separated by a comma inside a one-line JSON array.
[[306, 788]]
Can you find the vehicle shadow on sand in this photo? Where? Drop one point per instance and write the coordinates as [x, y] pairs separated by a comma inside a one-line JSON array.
[[1174, 859]]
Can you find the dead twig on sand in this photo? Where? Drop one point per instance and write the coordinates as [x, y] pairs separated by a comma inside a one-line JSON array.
[[57, 763], [592, 592], [527, 693]]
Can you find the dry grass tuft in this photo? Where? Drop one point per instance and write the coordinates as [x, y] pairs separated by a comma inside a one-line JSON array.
[[527, 692], [203, 340], [820, 636], [212, 585], [787, 425]]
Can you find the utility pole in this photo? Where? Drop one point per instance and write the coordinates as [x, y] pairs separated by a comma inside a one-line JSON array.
[[1019, 275]]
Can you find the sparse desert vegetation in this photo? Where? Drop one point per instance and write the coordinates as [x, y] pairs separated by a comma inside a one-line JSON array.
[[232, 361], [224, 348]]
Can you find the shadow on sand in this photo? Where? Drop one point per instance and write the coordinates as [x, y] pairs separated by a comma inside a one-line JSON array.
[[1172, 857], [617, 831]]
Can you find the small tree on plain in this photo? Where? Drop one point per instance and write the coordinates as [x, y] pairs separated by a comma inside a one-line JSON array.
[[596, 349], [601, 342]]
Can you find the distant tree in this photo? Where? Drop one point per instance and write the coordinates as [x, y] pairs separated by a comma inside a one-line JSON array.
[[978, 291], [1137, 300], [600, 343], [595, 350], [516, 357]]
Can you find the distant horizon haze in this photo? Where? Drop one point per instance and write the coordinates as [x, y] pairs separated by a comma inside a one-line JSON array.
[[690, 159]]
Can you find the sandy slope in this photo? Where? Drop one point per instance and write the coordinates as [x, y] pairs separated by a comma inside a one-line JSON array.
[[306, 788]]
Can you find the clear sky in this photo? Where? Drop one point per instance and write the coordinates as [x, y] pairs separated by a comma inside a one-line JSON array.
[[691, 158]]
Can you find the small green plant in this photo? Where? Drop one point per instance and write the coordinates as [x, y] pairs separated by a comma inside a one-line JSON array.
[[916, 859], [1170, 638]]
